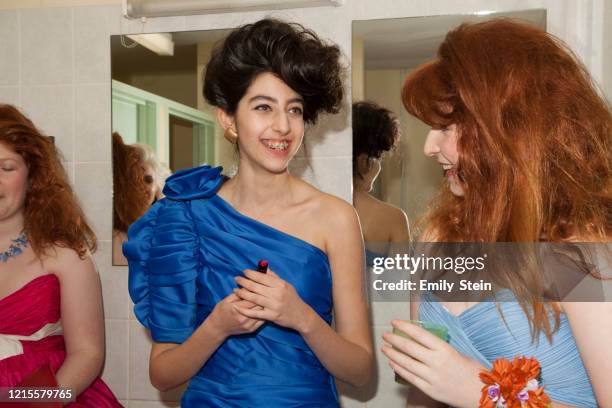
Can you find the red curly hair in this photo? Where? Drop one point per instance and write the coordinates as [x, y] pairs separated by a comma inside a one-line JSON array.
[[129, 189], [52, 215], [533, 145]]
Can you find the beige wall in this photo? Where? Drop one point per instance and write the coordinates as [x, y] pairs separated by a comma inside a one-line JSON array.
[[383, 87], [170, 77], [607, 49], [358, 70]]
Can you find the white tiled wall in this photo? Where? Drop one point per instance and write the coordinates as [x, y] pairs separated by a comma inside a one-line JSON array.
[[55, 65]]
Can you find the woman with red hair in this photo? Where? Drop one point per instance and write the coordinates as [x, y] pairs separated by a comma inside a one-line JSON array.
[[523, 138], [130, 192], [51, 317]]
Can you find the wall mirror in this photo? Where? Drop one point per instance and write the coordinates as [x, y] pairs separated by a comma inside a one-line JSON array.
[[384, 53], [160, 115]]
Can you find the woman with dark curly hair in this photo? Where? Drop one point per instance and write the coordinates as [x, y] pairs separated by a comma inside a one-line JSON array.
[[523, 138], [51, 317], [375, 132], [243, 337]]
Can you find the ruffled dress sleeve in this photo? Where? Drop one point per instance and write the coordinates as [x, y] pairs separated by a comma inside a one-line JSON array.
[[163, 257]]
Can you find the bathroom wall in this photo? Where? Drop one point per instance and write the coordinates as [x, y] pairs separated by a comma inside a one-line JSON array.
[[55, 65]]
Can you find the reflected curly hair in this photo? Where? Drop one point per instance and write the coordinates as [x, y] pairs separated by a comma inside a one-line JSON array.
[[375, 131], [534, 140], [288, 50], [52, 215], [129, 189]]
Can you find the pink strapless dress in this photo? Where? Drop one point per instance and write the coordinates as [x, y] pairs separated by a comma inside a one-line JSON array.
[[30, 337]]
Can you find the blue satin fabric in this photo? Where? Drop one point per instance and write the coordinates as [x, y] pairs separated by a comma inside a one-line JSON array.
[[371, 255], [183, 256], [481, 333]]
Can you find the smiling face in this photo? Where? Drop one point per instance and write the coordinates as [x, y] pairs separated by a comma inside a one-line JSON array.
[[441, 144], [270, 123], [13, 183]]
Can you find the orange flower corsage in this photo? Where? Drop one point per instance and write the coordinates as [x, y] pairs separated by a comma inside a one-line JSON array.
[[513, 385]]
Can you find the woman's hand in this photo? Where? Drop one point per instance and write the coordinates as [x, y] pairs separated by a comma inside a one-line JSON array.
[[434, 366], [278, 299], [228, 321]]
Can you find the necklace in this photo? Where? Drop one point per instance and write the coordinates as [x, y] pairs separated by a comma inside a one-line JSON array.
[[15, 249]]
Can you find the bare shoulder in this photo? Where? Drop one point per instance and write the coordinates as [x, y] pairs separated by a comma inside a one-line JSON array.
[[66, 262], [324, 206], [387, 220], [395, 214], [383, 211], [335, 212], [329, 215]]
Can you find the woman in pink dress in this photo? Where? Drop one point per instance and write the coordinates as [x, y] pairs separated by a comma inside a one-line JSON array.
[[51, 314]]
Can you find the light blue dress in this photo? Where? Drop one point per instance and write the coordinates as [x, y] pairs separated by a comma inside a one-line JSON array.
[[183, 256], [480, 332]]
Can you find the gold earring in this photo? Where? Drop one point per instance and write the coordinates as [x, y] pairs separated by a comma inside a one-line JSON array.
[[231, 135]]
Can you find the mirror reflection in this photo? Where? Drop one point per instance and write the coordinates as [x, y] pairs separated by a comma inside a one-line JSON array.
[[384, 53], [160, 121]]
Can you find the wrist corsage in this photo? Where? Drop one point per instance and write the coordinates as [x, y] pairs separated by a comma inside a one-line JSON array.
[[513, 385]]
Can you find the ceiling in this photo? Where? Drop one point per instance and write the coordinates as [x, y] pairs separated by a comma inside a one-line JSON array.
[[420, 37], [384, 48]]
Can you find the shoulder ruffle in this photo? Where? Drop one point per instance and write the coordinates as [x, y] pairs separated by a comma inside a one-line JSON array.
[[163, 257], [190, 184]]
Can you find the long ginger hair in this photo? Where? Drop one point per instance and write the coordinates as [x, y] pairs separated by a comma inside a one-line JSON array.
[[129, 190], [52, 215], [533, 144]]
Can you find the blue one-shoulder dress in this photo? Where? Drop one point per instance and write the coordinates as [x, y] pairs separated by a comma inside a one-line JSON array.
[[482, 333], [183, 255]]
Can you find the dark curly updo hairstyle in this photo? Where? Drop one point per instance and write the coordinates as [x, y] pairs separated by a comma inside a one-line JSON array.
[[375, 131], [294, 54]]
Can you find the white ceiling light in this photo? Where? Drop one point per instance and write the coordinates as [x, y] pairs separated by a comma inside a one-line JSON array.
[[159, 43], [160, 8], [484, 12]]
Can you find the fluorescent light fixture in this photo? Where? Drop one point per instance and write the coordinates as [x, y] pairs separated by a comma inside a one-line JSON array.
[[159, 43], [484, 12], [161, 8]]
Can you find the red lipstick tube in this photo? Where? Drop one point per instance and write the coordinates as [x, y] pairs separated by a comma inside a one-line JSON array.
[[262, 266]]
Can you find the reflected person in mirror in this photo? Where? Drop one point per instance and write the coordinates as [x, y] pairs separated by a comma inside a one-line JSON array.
[[242, 338], [51, 315], [376, 131], [138, 180], [155, 173], [523, 137], [132, 196]]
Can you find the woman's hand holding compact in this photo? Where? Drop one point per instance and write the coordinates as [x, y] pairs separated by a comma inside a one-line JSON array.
[[279, 301], [433, 366]]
